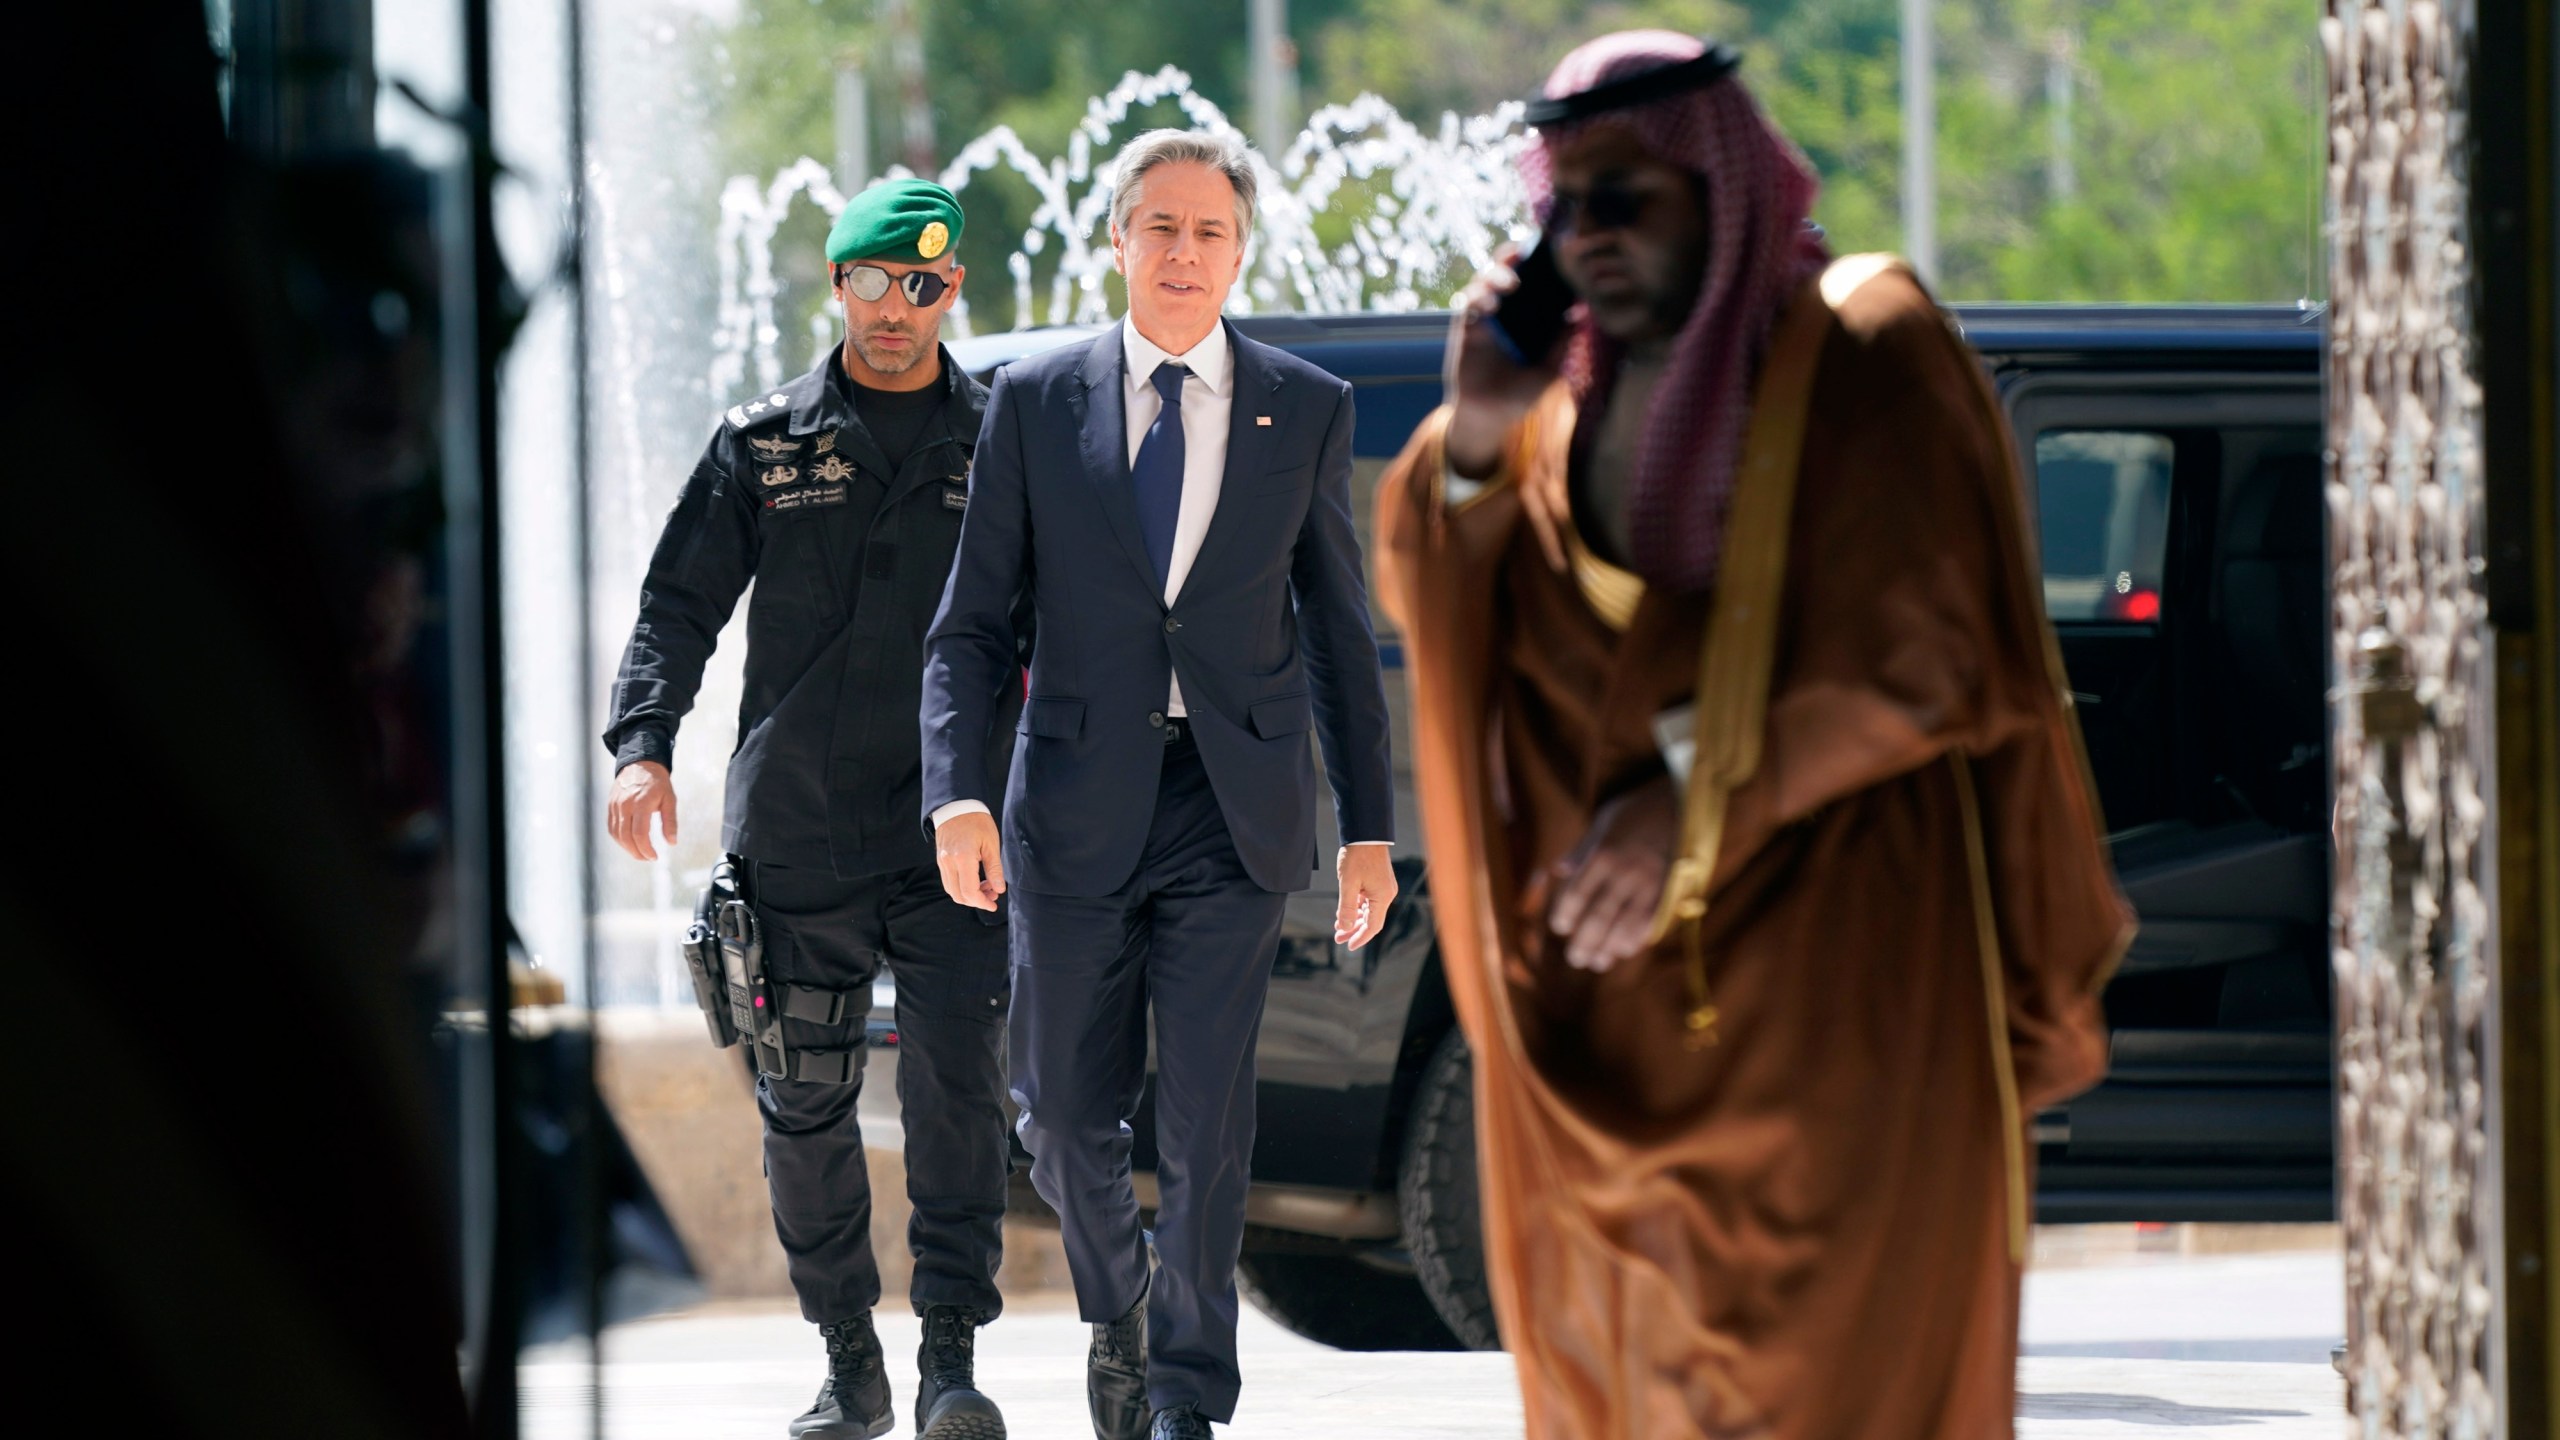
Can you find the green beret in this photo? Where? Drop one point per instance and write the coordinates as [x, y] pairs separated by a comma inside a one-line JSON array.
[[909, 222]]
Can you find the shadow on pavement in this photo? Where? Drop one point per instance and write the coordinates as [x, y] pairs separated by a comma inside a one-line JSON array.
[[2140, 1410]]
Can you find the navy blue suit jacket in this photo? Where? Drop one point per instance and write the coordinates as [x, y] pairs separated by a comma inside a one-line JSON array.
[[1270, 633]]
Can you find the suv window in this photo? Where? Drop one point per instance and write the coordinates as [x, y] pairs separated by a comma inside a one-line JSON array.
[[2102, 509]]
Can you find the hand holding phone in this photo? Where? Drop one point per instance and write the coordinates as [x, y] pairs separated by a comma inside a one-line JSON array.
[[1502, 342], [1530, 319]]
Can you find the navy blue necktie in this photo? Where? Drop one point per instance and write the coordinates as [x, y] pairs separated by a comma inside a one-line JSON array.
[[1156, 475]]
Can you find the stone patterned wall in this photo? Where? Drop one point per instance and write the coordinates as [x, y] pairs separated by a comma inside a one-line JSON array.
[[2412, 947]]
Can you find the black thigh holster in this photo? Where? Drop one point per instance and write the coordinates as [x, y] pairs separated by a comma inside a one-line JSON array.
[[724, 953]]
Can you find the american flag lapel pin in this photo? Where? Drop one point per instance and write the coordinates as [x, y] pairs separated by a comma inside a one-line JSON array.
[[1261, 419]]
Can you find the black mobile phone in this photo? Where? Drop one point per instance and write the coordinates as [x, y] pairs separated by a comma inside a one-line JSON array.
[[1529, 319]]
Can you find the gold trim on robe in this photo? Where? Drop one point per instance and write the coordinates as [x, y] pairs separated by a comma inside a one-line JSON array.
[[1693, 1241]]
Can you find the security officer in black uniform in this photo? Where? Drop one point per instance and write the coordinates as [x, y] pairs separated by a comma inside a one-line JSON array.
[[841, 494]]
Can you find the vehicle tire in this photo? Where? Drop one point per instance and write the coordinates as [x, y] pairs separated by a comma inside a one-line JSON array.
[[1436, 1195], [1342, 1300]]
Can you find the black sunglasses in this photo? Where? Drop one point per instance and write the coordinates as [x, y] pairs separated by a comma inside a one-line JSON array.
[[870, 282], [1609, 206]]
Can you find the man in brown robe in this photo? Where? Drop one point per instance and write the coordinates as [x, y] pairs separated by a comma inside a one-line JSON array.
[[1756, 1048]]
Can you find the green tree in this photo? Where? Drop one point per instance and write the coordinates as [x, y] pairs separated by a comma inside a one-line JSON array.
[[2130, 150], [2086, 149], [1429, 56], [1829, 72]]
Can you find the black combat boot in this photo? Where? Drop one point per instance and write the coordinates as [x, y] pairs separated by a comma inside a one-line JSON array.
[[1182, 1422], [948, 1403], [854, 1402], [1115, 1376]]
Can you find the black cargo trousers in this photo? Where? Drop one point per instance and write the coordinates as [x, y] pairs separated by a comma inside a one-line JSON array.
[[950, 967]]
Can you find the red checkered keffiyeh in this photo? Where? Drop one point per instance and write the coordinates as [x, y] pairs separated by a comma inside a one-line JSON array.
[[1759, 251]]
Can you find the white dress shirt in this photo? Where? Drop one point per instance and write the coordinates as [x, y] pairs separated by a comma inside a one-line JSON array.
[[1208, 396], [1208, 400]]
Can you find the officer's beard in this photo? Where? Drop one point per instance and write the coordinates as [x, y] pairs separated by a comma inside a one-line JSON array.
[[893, 362]]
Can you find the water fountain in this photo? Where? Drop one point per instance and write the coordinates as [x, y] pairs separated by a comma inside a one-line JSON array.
[[1363, 210], [1418, 210]]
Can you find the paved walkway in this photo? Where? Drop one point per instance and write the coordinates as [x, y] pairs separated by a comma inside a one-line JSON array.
[[2138, 1346]]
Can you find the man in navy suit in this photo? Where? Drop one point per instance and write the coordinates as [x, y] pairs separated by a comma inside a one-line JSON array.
[[1175, 499]]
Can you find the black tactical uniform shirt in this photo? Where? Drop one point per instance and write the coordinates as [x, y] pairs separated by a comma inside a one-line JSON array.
[[850, 552]]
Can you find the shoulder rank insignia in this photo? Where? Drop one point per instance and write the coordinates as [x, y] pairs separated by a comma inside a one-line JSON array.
[[759, 410], [779, 475], [832, 469], [770, 448]]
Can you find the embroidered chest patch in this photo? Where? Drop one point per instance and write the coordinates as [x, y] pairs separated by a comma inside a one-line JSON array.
[[805, 499]]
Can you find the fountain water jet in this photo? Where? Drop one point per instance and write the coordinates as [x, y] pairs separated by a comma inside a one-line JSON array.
[[1417, 210]]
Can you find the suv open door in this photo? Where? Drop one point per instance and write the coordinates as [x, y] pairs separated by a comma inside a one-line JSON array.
[[2177, 494]]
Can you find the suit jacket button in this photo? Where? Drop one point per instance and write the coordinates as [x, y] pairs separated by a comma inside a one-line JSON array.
[[1156, 718], [1171, 625]]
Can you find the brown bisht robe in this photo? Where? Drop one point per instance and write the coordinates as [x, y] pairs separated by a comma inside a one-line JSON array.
[[1813, 1224]]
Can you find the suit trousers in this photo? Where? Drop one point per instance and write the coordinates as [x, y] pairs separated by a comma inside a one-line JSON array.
[[1193, 936], [950, 968]]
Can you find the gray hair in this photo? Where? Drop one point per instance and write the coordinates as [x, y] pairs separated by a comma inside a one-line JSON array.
[[1225, 154]]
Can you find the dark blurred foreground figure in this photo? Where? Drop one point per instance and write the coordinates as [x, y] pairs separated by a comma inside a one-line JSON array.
[[218, 1144], [1756, 1045]]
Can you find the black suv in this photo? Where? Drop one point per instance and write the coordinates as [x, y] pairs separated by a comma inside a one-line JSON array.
[[2174, 460]]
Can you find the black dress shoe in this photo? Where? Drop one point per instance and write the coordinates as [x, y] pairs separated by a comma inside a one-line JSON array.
[[1179, 1423], [853, 1404], [948, 1404], [1115, 1376]]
